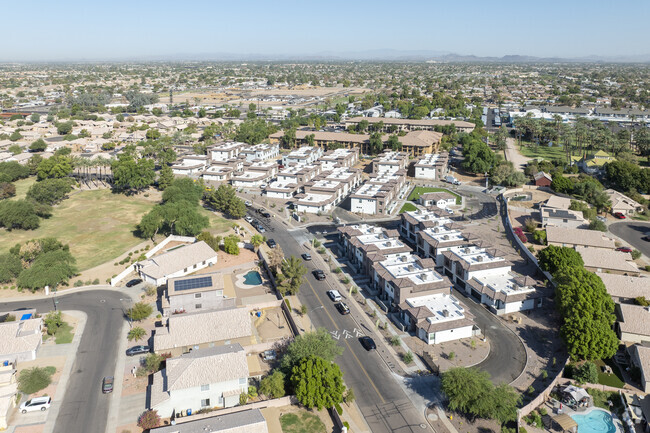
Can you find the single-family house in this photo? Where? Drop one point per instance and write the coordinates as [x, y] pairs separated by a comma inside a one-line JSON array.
[[603, 260], [633, 324], [568, 237], [21, 336], [177, 262], [622, 203], [244, 421], [623, 288], [201, 379], [441, 199], [194, 293]]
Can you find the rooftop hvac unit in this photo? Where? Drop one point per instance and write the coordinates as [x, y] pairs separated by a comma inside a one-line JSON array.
[[411, 268], [423, 277], [436, 230], [466, 250], [387, 244], [403, 258], [479, 259], [446, 237], [445, 313]]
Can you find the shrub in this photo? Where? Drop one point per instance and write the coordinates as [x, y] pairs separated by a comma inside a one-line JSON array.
[[530, 389], [339, 409], [303, 310], [408, 357], [243, 399], [34, 379], [139, 311], [586, 373], [642, 301], [96, 281], [345, 280], [520, 234], [452, 355], [540, 236], [149, 419], [337, 271], [636, 254], [544, 374], [598, 225], [316, 243], [395, 340], [78, 283], [647, 268], [530, 225]]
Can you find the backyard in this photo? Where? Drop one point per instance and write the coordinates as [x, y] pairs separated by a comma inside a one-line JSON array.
[[98, 225], [419, 190], [301, 422]]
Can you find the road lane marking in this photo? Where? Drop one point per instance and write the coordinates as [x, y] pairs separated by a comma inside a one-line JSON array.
[[335, 335], [347, 334], [381, 397]]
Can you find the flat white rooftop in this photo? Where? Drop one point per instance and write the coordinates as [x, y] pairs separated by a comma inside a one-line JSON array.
[[404, 265], [427, 215], [251, 175], [369, 189], [380, 240], [280, 184], [227, 145], [315, 198], [429, 159], [443, 234], [324, 183], [294, 169], [503, 282], [444, 307], [337, 154], [302, 152], [475, 255]]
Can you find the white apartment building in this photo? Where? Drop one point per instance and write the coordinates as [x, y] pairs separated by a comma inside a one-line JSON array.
[[379, 194], [432, 166], [437, 318], [390, 162], [255, 174], [299, 174], [431, 242], [225, 150], [339, 158], [281, 189], [505, 292], [260, 152], [303, 155], [462, 264], [362, 243], [190, 165], [414, 221]]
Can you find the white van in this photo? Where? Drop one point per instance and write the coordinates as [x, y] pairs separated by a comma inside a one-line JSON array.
[[37, 403]]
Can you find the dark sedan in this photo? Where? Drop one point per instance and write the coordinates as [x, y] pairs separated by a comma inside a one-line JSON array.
[[367, 343], [133, 282], [271, 243], [137, 350], [319, 275]]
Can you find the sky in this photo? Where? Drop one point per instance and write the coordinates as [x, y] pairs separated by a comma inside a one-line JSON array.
[[46, 30]]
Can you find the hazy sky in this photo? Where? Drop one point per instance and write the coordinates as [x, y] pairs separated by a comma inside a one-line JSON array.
[[120, 29]]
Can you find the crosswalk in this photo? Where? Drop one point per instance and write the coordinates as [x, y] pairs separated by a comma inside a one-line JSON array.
[[355, 333]]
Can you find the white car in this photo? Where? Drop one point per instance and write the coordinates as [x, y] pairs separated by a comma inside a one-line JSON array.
[[248, 203], [37, 403], [263, 186], [248, 218], [334, 295]]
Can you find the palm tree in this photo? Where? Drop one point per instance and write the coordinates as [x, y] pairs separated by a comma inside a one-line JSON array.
[[292, 275], [257, 240], [136, 334]]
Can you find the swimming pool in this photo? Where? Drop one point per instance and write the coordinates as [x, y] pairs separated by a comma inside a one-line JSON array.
[[596, 421], [253, 278]]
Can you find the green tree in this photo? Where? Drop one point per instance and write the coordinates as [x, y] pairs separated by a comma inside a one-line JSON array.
[[254, 131], [153, 362], [291, 276], [130, 174], [38, 146], [50, 191], [7, 190], [505, 401], [49, 268], [152, 134], [35, 118], [136, 334], [18, 214], [597, 224], [319, 343], [479, 158], [10, 267], [149, 420], [556, 259], [561, 184], [394, 143], [139, 311], [64, 128], [586, 373], [53, 322], [587, 314], [183, 190], [272, 385], [165, 177], [55, 167], [317, 383], [230, 245], [15, 136], [236, 208], [15, 149], [207, 237], [467, 390]]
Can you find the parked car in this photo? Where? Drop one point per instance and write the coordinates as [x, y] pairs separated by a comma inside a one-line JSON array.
[[619, 215], [248, 203], [248, 219], [263, 186], [107, 384], [269, 355], [367, 343], [266, 215], [137, 350], [343, 308], [260, 228], [133, 282], [601, 218], [260, 210], [271, 243], [306, 256], [646, 238], [37, 403], [624, 249], [334, 295], [319, 275]]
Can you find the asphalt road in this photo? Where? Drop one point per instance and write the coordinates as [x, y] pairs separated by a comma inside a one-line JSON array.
[[382, 401], [84, 408], [632, 232]]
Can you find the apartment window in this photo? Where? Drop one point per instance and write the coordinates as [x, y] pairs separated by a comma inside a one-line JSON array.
[[203, 262], [197, 295], [185, 270], [205, 387], [198, 306], [195, 266], [205, 402]]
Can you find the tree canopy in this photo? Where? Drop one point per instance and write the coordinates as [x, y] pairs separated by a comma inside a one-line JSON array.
[[56, 166], [47, 262], [556, 259], [319, 343], [588, 314], [22, 214], [223, 199], [254, 131], [131, 174], [291, 276], [479, 158], [50, 191], [317, 383]]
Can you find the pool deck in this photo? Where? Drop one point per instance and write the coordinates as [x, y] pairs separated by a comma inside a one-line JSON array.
[[618, 424]]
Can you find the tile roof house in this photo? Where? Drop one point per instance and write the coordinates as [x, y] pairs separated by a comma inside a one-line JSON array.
[[191, 331], [602, 260], [439, 199], [21, 338], [194, 293], [176, 262], [624, 287], [622, 203], [8, 389], [633, 325], [562, 218], [641, 358], [244, 421], [567, 237], [200, 379]]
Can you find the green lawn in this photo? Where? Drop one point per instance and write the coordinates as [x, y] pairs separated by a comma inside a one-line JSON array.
[[419, 190], [98, 225], [545, 152], [302, 422], [407, 207], [615, 380], [22, 186], [64, 334]]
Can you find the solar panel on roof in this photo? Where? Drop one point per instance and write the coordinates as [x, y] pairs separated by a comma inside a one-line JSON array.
[[192, 283]]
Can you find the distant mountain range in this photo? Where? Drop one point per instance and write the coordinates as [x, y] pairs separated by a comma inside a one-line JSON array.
[[371, 55], [397, 56]]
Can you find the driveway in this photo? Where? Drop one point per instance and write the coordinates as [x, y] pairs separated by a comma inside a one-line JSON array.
[[513, 155], [632, 232], [84, 407]]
